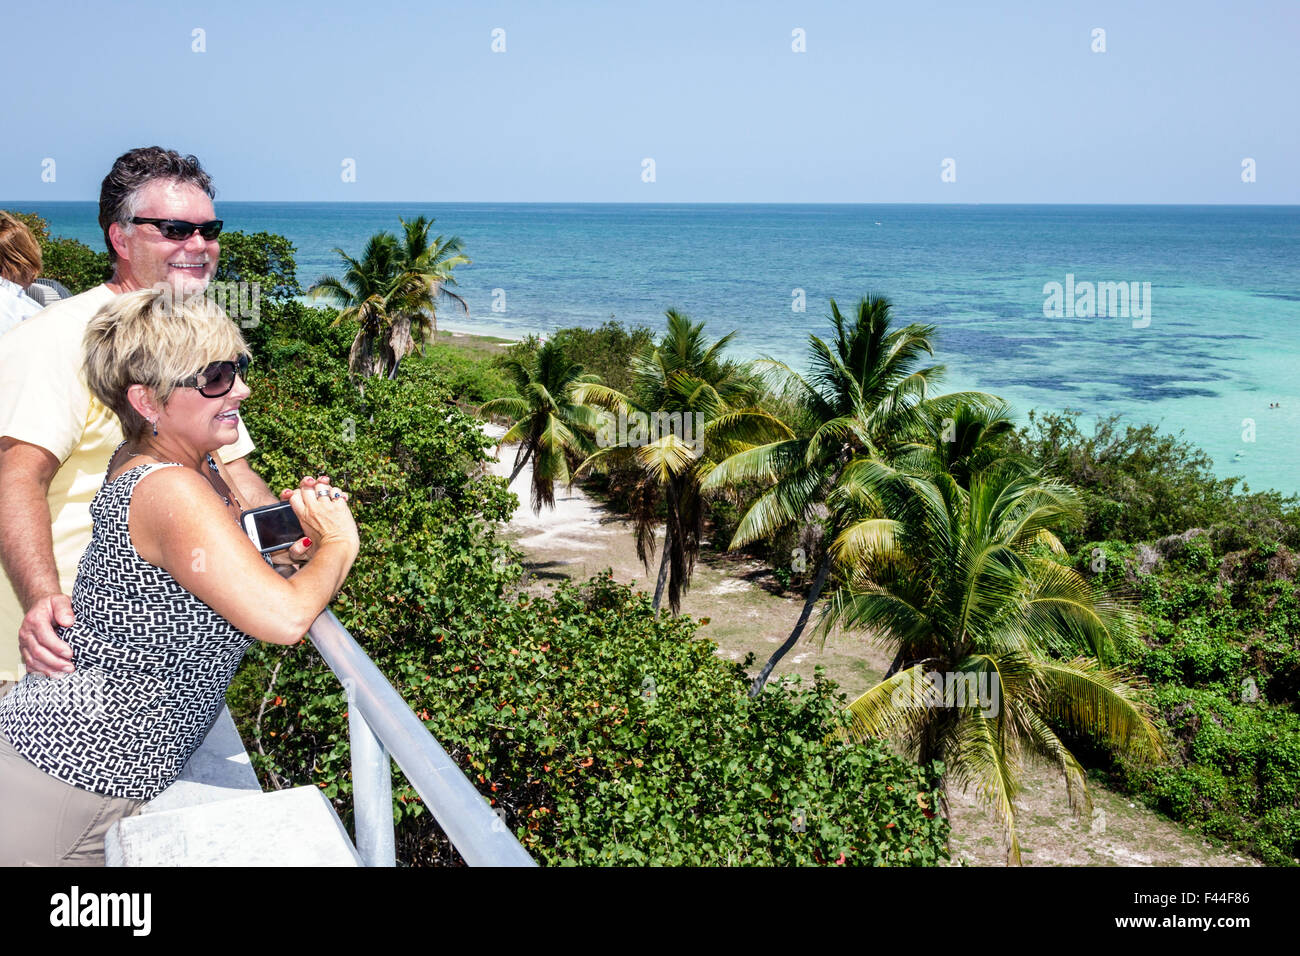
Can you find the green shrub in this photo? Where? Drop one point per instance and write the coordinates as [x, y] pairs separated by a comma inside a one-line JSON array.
[[468, 379], [611, 737], [263, 258], [1234, 772], [1140, 484], [1220, 642]]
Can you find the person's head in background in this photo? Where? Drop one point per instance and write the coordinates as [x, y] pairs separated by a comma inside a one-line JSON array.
[[156, 183], [20, 254]]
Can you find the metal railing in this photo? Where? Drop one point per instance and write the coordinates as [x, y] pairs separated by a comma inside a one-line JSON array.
[[382, 726]]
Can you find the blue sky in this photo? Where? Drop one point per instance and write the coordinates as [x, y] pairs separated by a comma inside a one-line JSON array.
[[712, 92]]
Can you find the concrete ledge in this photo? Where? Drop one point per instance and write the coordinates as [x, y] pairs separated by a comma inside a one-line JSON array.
[[216, 814], [296, 827], [218, 770]]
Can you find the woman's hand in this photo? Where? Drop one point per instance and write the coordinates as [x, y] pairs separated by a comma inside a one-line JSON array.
[[325, 516], [302, 550]]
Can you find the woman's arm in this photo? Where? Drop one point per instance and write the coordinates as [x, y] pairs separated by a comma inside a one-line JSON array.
[[179, 524]]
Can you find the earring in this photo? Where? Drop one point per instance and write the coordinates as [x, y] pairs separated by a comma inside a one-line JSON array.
[[155, 427]]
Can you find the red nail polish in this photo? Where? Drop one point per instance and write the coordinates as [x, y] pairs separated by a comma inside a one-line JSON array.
[[306, 542]]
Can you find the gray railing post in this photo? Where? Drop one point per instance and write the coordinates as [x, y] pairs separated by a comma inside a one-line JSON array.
[[382, 723], [372, 788]]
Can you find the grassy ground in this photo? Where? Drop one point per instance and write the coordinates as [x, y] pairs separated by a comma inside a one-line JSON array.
[[469, 345]]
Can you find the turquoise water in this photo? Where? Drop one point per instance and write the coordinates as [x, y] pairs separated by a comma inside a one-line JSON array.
[[1222, 343]]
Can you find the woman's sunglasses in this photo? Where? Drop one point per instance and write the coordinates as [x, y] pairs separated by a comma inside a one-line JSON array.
[[180, 229], [218, 378]]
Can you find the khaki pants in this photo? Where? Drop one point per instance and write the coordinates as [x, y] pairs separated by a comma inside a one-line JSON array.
[[46, 822]]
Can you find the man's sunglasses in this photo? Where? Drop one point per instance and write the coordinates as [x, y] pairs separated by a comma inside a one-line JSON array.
[[218, 378], [180, 229]]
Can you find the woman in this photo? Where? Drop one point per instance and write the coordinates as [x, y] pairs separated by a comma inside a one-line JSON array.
[[20, 264], [168, 595]]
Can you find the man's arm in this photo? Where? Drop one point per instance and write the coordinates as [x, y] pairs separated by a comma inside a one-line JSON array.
[[249, 485], [27, 553]]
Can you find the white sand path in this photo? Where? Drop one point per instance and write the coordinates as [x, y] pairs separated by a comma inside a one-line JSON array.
[[573, 524]]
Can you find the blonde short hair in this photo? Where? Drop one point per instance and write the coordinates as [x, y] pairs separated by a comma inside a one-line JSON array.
[[20, 253], [155, 338]]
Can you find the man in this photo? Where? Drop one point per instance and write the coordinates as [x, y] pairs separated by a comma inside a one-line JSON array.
[[55, 438]]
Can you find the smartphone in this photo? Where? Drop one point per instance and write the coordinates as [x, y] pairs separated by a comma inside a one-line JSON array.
[[272, 527]]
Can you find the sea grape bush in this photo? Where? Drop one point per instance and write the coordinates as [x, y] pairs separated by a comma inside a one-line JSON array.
[[1139, 483], [1221, 647]]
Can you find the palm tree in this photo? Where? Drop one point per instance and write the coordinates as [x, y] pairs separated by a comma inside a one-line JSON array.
[[433, 262], [962, 440], [864, 397], [392, 294], [369, 295], [683, 379], [551, 426], [998, 642]]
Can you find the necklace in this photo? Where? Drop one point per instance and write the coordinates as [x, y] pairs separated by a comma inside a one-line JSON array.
[[214, 477], [220, 485]]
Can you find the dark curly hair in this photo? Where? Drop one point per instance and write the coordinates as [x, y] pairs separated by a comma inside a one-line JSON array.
[[135, 169]]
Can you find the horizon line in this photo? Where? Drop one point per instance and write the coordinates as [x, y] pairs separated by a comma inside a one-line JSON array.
[[727, 202]]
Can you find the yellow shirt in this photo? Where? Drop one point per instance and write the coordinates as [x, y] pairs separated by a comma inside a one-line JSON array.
[[44, 401]]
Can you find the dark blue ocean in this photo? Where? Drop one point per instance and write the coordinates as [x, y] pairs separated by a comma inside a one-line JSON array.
[[1216, 341]]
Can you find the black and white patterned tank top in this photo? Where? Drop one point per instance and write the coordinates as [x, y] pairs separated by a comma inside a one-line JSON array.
[[152, 666]]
